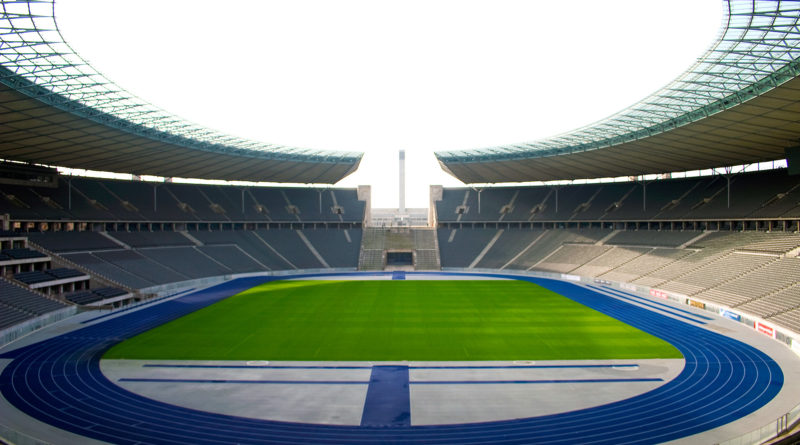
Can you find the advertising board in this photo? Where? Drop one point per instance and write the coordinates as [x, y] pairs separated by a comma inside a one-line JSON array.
[[765, 329], [730, 314], [658, 293], [694, 303]]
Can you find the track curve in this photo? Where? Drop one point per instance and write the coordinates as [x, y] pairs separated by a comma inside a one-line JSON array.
[[59, 381]]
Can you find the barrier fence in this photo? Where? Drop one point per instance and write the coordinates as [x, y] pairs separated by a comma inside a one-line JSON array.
[[26, 327], [769, 431], [779, 426], [16, 438]]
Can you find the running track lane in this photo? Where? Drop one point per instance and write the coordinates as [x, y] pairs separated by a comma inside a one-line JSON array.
[[59, 381]]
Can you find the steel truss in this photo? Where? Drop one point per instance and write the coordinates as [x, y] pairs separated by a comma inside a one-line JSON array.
[[35, 60], [756, 51]]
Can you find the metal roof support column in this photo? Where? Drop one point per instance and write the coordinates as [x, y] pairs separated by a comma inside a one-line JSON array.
[[728, 174], [728, 178], [478, 191], [644, 194], [557, 199]]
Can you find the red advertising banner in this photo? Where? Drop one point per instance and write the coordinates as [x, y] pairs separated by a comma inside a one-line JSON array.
[[764, 329], [658, 293]]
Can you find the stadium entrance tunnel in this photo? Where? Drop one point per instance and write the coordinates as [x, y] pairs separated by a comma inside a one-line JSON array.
[[399, 258], [60, 381]]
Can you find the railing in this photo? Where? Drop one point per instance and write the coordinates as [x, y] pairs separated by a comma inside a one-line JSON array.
[[208, 281], [15, 437], [18, 330], [774, 429], [780, 426], [97, 277]]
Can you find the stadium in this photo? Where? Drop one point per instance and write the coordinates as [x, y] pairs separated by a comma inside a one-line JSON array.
[[658, 307]]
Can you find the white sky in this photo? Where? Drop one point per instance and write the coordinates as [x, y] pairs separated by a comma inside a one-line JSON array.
[[378, 76]]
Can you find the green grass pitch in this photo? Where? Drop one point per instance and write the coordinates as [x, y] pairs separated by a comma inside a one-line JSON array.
[[384, 320]]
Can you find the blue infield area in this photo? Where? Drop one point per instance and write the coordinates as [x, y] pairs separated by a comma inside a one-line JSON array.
[[59, 381]]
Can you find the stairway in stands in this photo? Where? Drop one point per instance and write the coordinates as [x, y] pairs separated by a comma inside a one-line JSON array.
[[426, 247], [377, 241], [372, 244]]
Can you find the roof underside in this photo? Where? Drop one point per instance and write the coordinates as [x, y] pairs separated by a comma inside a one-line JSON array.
[[758, 130], [57, 110], [33, 131], [739, 104]]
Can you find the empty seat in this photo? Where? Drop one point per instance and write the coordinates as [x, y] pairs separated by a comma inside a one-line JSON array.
[[23, 253]]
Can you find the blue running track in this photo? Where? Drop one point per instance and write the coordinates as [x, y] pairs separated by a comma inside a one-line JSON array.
[[59, 381]]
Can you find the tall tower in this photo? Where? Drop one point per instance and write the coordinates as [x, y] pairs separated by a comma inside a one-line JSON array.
[[402, 209]]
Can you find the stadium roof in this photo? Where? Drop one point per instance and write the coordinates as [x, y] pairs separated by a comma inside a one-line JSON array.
[[739, 104], [56, 109]]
